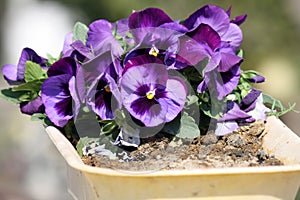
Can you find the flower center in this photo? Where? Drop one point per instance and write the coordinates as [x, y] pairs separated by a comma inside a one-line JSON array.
[[154, 51], [107, 89], [150, 95]]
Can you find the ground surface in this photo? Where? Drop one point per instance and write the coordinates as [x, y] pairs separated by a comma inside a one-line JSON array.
[[242, 148]]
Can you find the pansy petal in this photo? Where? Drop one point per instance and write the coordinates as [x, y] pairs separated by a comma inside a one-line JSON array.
[[205, 34], [211, 15], [75, 97], [10, 73], [239, 19], [101, 39], [28, 55], [66, 65], [228, 61], [150, 17], [224, 128], [176, 97], [234, 113], [57, 99], [67, 48], [249, 101], [233, 36], [102, 101], [191, 52], [260, 110], [35, 106], [146, 74]]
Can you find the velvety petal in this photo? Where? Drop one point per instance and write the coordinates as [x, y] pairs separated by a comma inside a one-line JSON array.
[[150, 17], [66, 65], [192, 52], [234, 113], [104, 103], [140, 60], [101, 39], [239, 19], [233, 36], [257, 79], [82, 49], [214, 62], [249, 101], [260, 110], [224, 128], [75, 97], [146, 74], [211, 15], [35, 106], [101, 64], [151, 113], [220, 84], [205, 34], [228, 61], [176, 97], [57, 99], [28, 55], [10, 73], [67, 48]]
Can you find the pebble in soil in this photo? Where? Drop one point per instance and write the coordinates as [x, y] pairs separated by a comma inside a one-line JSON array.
[[242, 148]]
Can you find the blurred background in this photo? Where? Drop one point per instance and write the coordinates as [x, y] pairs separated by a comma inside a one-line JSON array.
[[30, 166]]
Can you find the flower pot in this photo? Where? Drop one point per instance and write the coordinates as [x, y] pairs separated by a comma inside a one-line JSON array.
[[271, 182]]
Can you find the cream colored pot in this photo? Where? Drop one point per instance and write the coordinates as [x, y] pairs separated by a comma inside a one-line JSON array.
[[273, 182]]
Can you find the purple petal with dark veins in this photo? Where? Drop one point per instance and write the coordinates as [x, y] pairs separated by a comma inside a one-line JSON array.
[[10, 74], [205, 34], [101, 39], [234, 113], [150, 17], [104, 103], [239, 19], [249, 101], [228, 61], [35, 106], [211, 15], [66, 65], [57, 99], [28, 55], [233, 36], [257, 79]]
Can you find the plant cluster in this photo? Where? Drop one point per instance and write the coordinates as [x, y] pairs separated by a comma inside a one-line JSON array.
[[143, 73]]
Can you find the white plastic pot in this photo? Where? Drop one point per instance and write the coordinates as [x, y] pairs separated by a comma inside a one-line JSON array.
[[272, 182]]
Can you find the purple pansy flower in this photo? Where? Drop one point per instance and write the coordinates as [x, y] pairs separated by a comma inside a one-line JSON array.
[[250, 109], [15, 74], [151, 95], [104, 97], [212, 36], [156, 34], [59, 92]]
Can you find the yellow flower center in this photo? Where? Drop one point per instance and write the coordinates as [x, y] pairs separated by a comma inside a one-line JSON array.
[[154, 51], [150, 95], [107, 89]]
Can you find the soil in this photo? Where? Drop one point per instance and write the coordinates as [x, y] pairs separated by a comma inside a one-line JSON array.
[[242, 148]]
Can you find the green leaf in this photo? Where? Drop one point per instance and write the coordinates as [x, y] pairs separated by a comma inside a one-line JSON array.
[[190, 100], [33, 86], [272, 103], [80, 32], [10, 95], [83, 142], [34, 72], [51, 59], [38, 116], [240, 53], [183, 126], [108, 128]]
